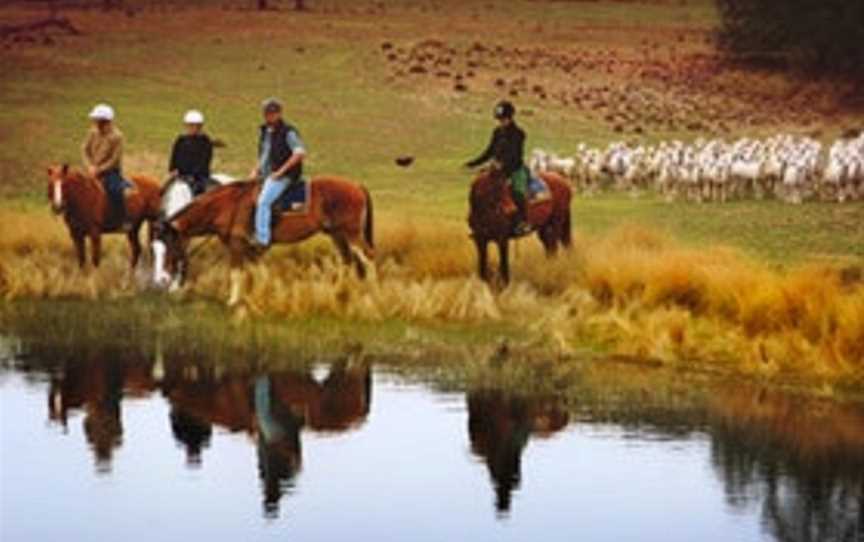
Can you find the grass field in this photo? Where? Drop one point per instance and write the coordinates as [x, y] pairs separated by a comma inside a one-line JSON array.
[[344, 70]]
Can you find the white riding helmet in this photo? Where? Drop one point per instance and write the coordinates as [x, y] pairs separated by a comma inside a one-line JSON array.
[[102, 112], [193, 116]]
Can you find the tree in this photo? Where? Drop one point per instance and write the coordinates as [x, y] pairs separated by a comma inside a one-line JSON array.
[[826, 36]]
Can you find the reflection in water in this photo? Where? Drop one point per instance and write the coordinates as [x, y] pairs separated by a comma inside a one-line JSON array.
[[499, 426], [97, 386], [796, 463], [802, 459], [271, 408]]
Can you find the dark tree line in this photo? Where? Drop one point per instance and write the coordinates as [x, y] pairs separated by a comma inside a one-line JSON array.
[[824, 36]]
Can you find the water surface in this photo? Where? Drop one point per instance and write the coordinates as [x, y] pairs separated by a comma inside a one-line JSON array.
[[108, 444]]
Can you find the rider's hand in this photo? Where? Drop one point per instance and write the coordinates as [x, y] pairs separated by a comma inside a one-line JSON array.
[[254, 174]]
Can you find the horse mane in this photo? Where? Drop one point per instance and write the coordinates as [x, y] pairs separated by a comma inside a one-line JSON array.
[[77, 175], [232, 190], [482, 183]]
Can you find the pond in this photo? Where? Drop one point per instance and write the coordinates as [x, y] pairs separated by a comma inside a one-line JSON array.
[[112, 444]]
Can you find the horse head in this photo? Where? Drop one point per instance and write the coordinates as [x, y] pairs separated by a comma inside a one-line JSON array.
[[58, 179], [169, 254]]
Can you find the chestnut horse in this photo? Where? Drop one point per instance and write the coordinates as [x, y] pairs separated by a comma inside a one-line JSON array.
[[491, 217], [82, 201], [337, 207]]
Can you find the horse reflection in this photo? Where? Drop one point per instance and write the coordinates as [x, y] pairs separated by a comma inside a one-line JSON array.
[[97, 387], [500, 425], [271, 408]]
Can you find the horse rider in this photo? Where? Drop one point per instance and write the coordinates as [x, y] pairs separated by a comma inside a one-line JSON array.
[[192, 154], [102, 151], [280, 163], [507, 148]]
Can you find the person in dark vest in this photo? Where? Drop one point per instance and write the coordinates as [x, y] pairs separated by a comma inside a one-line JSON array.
[[192, 154], [280, 164], [507, 148]]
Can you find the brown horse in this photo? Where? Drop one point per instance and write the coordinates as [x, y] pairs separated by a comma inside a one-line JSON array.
[[491, 217], [337, 207], [82, 201]]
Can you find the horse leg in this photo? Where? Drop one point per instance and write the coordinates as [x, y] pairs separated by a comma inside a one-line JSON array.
[[504, 260], [134, 246], [482, 258], [80, 248], [549, 237], [237, 248], [96, 248], [349, 249]]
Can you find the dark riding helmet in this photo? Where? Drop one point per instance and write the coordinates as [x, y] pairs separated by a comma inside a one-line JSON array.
[[504, 110]]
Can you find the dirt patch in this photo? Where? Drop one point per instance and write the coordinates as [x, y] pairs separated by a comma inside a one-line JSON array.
[[674, 82]]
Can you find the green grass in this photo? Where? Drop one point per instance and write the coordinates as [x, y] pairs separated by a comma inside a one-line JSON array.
[[770, 230], [328, 68]]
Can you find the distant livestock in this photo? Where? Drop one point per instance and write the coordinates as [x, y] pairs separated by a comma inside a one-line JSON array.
[[786, 167]]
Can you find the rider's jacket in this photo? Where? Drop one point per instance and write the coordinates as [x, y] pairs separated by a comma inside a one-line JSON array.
[[191, 156], [507, 147], [280, 150], [103, 151]]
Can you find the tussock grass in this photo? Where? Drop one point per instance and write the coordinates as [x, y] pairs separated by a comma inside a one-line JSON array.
[[633, 291]]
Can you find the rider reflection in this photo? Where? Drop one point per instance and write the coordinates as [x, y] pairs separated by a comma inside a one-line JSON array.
[[499, 426], [278, 431], [96, 387], [192, 432]]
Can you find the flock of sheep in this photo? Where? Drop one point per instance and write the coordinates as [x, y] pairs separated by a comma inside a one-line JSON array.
[[789, 168]]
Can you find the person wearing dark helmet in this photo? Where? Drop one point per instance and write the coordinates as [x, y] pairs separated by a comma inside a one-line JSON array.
[[507, 148]]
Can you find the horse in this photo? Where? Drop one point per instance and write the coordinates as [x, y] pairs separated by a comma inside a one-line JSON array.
[[337, 207], [85, 207], [491, 217]]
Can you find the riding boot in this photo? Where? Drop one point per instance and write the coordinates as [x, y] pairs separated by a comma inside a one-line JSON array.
[[521, 225]]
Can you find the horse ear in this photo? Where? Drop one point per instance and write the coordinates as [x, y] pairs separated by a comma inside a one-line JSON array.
[[64, 169]]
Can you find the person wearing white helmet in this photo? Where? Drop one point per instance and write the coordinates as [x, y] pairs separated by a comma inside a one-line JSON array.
[[192, 153], [102, 151]]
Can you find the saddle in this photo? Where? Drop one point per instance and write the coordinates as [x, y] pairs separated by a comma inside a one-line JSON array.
[[295, 199], [117, 194], [538, 190]]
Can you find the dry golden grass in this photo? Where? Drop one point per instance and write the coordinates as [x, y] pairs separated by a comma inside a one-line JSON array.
[[634, 291]]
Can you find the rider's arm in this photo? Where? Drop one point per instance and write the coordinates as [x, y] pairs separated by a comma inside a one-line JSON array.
[[208, 156], [486, 156], [86, 153], [172, 164], [114, 157]]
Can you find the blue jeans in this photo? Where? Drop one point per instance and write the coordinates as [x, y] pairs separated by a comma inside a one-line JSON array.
[[270, 192], [115, 184]]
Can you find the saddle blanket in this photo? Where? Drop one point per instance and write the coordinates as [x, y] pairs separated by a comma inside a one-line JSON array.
[[295, 199], [538, 190]]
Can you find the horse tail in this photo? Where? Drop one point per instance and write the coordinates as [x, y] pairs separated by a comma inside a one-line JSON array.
[[566, 233], [566, 225], [369, 224]]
